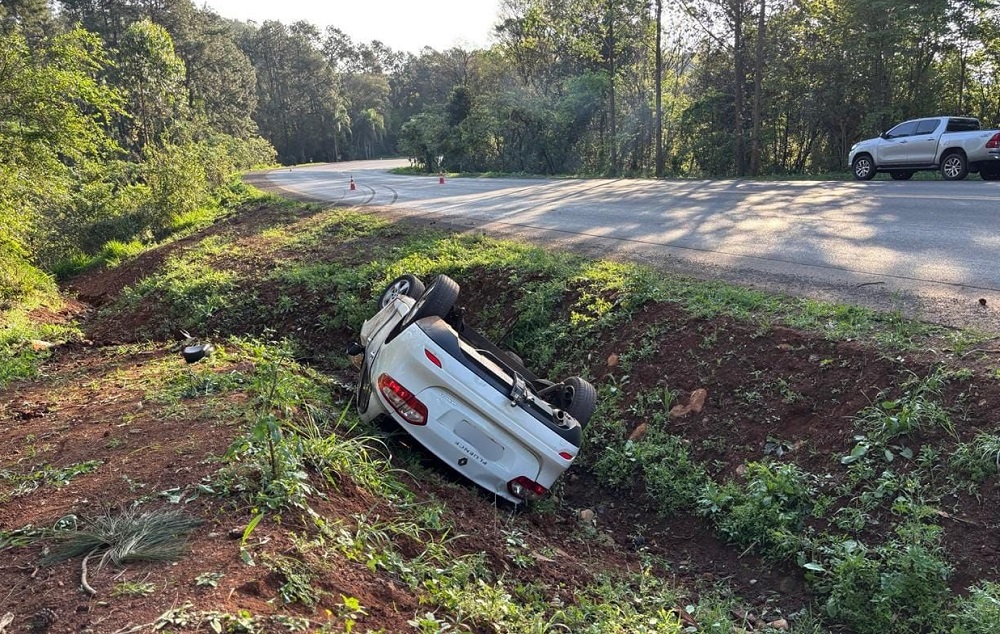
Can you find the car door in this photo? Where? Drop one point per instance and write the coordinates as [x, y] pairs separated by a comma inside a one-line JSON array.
[[894, 148], [924, 143]]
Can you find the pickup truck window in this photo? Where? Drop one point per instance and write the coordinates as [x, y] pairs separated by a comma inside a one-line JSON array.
[[903, 129], [962, 125], [927, 126]]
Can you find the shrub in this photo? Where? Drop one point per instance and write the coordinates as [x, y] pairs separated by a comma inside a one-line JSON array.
[[19, 279], [767, 511], [978, 613], [178, 184], [897, 588], [672, 478]]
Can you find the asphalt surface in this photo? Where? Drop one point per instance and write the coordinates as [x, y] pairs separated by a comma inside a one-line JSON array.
[[927, 248]]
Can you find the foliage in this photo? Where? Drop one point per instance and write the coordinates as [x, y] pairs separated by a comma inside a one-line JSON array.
[[672, 479], [980, 458], [39, 142], [898, 587], [767, 511], [24, 343], [69, 198], [979, 612], [46, 474], [916, 410], [151, 76], [567, 87]]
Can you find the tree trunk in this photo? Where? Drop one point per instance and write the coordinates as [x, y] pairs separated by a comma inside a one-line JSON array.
[[741, 167], [758, 73], [611, 63], [659, 90]]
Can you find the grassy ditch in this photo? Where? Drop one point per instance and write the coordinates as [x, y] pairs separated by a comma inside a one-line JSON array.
[[850, 449]]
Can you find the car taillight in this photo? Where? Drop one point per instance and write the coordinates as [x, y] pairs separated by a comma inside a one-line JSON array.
[[526, 488], [994, 142], [565, 455], [402, 400]]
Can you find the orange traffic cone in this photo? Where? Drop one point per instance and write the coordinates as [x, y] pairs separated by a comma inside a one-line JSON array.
[[353, 187], [441, 178]]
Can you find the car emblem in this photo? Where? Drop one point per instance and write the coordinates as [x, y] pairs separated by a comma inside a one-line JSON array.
[[463, 461]]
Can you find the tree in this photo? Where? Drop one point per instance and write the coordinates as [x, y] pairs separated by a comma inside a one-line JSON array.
[[422, 138], [218, 77], [53, 110], [297, 91], [151, 76], [109, 18], [369, 130], [367, 100], [33, 18], [758, 79], [659, 89]]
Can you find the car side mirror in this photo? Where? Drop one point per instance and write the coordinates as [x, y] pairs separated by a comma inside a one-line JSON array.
[[883, 135]]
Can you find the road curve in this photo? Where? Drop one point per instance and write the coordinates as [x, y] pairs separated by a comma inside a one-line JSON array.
[[928, 248]]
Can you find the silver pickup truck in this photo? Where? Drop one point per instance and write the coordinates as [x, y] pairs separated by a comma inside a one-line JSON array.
[[954, 145]]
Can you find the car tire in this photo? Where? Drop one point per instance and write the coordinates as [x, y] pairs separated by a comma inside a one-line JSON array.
[[436, 301], [901, 176], [954, 166], [581, 400], [863, 168], [404, 285], [989, 174]]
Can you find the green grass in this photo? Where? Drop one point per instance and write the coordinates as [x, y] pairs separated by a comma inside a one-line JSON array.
[[23, 340]]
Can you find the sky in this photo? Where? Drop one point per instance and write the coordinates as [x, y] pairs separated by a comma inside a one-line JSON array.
[[403, 25]]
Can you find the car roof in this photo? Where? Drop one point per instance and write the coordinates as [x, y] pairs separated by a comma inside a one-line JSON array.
[[940, 116]]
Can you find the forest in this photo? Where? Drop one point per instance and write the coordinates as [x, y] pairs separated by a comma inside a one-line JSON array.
[[122, 121]]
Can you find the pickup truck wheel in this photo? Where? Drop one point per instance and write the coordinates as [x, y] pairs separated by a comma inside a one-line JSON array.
[[954, 167], [901, 176], [579, 400], [408, 285], [436, 301], [864, 168]]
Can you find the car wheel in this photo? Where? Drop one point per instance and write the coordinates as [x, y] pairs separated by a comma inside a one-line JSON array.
[[864, 168], [954, 167], [404, 285], [436, 301], [901, 176], [990, 174], [580, 399]]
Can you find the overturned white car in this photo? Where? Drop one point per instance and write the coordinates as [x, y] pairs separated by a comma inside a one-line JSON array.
[[473, 405]]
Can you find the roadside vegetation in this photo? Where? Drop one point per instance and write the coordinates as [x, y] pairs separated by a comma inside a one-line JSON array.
[[757, 463], [851, 451]]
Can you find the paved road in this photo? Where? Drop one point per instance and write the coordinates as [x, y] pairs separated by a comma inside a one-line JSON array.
[[927, 247]]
